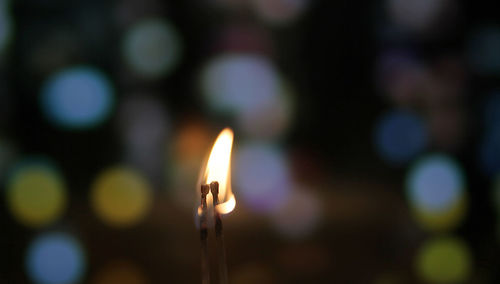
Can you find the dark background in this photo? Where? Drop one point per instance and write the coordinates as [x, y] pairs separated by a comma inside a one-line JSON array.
[[329, 54]]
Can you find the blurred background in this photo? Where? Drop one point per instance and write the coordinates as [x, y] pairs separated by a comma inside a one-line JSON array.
[[367, 139]]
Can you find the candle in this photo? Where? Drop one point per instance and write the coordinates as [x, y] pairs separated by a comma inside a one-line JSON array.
[[217, 199]]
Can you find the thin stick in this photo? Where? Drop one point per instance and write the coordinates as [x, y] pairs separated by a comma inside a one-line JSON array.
[[219, 237], [205, 268]]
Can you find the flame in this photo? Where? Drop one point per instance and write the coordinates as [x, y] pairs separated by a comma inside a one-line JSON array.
[[218, 168], [227, 206]]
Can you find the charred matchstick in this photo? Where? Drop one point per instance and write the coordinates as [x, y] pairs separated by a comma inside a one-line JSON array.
[[205, 268], [219, 237]]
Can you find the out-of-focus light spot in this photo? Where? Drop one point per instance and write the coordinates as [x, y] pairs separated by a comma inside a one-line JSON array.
[[400, 136], [415, 15], [299, 216], [482, 50], [5, 25], [77, 98], [444, 260], [270, 121], [55, 258], [190, 142], [36, 193], [121, 197], [262, 177], [248, 87], [144, 125], [400, 76], [233, 83], [436, 190], [188, 152], [123, 272], [280, 12], [152, 48]]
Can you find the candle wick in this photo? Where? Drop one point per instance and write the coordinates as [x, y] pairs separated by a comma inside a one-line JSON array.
[[205, 268], [219, 237]]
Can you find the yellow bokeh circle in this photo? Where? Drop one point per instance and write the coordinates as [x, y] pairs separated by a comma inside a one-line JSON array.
[[121, 196], [436, 191], [444, 260], [36, 194]]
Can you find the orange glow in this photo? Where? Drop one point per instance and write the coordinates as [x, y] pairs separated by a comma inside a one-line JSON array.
[[218, 168]]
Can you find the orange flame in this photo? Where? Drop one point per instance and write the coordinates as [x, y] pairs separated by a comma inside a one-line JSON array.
[[218, 168]]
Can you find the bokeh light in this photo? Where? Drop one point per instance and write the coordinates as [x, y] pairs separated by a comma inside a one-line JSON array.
[[121, 196], [77, 97], [299, 216], [191, 143], [232, 83], [152, 48], [435, 188], [400, 136], [55, 258], [444, 260], [5, 24], [271, 120], [121, 271], [280, 12], [482, 50], [248, 87], [261, 176], [36, 193]]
